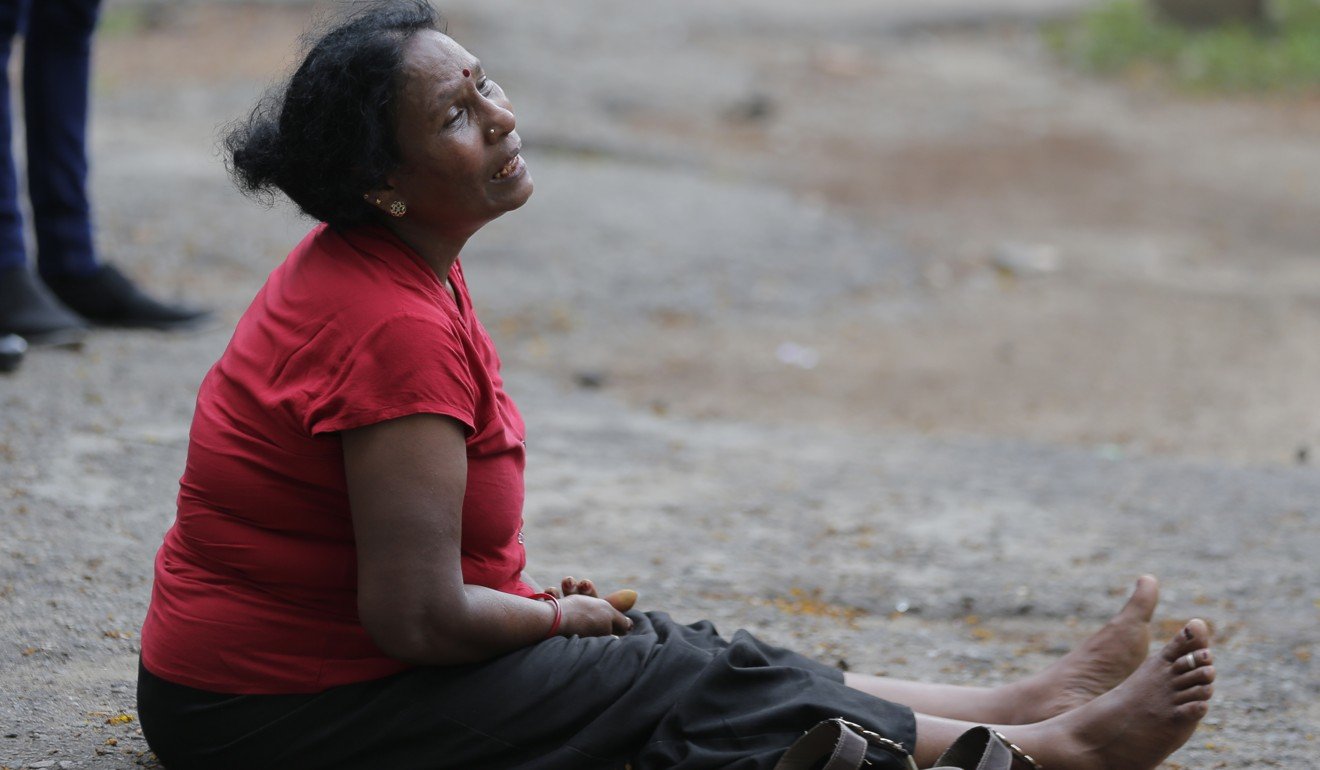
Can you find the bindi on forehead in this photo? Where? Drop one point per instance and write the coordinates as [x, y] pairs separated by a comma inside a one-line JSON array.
[[467, 73]]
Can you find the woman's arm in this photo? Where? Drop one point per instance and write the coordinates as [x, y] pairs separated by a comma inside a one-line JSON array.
[[406, 480]]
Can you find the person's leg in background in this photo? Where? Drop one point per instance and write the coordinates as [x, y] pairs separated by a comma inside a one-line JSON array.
[[26, 307], [56, 94], [12, 252], [57, 60]]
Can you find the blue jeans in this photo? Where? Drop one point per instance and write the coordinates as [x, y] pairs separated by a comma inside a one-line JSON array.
[[56, 80]]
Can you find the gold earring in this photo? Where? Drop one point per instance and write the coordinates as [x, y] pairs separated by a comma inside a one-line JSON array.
[[398, 209]]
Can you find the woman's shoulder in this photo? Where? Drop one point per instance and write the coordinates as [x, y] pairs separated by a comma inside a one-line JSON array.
[[356, 278], [333, 295]]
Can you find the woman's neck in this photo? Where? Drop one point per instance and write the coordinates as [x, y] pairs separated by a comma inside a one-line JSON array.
[[438, 251]]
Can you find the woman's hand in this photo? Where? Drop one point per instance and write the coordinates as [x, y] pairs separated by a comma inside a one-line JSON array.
[[586, 615], [572, 587], [622, 600]]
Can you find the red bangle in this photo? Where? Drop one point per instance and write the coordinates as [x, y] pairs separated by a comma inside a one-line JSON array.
[[559, 611]]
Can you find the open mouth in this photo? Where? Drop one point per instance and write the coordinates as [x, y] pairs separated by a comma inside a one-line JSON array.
[[514, 165]]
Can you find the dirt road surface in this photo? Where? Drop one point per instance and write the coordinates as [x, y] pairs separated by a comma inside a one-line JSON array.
[[864, 326]]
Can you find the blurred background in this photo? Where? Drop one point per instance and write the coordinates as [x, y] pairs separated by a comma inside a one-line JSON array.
[[1057, 220], [905, 332]]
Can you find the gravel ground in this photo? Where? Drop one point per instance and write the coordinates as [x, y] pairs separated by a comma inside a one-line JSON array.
[[860, 325]]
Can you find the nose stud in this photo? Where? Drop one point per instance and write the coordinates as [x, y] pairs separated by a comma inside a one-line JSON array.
[[492, 133]]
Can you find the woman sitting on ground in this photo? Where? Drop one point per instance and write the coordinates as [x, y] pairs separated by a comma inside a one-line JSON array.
[[343, 586]]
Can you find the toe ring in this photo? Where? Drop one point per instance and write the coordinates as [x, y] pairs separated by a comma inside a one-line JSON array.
[[1188, 661]]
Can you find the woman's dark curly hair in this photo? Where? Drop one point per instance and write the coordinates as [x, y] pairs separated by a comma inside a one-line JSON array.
[[327, 137]]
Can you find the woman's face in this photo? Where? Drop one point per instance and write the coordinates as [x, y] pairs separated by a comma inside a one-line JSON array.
[[460, 155]]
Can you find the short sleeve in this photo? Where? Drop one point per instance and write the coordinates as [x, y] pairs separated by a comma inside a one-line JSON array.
[[407, 364]]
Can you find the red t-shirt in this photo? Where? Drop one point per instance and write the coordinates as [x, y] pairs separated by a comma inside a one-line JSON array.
[[256, 582]]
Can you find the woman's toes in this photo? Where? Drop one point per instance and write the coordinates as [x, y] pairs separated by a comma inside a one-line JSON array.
[[1194, 711], [1193, 637], [1198, 694], [1204, 675], [1141, 605], [1197, 632]]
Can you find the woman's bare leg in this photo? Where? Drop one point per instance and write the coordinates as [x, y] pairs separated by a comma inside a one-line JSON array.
[[1094, 667], [1132, 727]]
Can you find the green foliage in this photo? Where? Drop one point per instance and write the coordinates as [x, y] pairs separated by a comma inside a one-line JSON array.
[[121, 21], [1123, 37]]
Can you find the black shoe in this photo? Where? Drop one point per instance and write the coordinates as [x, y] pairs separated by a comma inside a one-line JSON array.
[[12, 348], [107, 298], [28, 310]]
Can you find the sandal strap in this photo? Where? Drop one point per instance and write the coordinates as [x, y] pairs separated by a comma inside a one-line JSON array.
[[842, 743], [982, 748], [1021, 755]]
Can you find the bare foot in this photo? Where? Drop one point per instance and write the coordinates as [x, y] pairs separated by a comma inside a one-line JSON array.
[[1137, 724], [1095, 666]]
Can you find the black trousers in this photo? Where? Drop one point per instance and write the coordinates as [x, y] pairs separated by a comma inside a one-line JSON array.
[[664, 696]]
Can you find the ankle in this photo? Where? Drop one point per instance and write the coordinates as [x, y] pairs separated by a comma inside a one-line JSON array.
[[1054, 742], [1021, 701], [1010, 702]]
